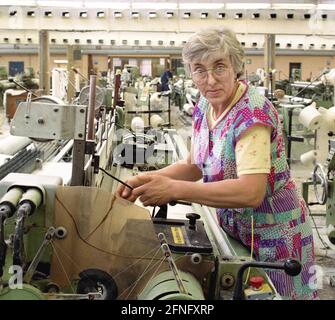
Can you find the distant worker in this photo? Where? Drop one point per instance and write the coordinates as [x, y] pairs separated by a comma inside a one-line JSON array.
[[238, 151], [125, 76], [166, 76]]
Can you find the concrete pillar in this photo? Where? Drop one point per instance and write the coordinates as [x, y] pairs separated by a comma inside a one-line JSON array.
[[71, 92], [44, 59], [269, 61]]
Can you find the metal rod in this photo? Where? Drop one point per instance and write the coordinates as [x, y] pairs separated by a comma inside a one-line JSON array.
[[167, 252], [23, 87], [91, 108]]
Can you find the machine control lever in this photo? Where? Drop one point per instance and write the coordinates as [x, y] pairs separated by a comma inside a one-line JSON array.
[[290, 266]]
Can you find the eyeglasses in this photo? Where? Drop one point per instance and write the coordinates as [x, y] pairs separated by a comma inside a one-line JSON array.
[[201, 75]]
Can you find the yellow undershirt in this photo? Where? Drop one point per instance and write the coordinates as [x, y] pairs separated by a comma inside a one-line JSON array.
[[253, 149]]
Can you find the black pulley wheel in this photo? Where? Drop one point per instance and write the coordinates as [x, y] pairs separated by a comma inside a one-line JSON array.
[[95, 280]]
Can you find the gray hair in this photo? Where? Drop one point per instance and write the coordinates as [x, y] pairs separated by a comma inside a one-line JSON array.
[[205, 42]]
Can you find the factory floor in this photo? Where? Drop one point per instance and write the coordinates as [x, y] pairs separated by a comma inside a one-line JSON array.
[[325, 257]]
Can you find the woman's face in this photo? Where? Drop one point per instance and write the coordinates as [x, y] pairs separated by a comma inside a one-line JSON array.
[[215, 78]]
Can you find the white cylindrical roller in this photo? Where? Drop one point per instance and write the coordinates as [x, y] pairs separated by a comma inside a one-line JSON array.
[[59, 82], [156, 121], [310, 117], [12, 144], [188, 108], [137, 124], [308, 157]]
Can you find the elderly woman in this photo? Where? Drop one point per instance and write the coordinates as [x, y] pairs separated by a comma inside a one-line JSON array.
[[237, 149]]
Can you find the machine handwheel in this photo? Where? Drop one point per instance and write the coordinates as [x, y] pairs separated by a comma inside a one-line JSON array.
[[95, 280], [319, 178]]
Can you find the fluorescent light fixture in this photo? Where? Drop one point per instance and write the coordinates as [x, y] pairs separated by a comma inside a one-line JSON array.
[[242, 5], [326, 6], [117, 14], [296, 6], [61, 61], [187, 15], [100, 14], [152, 15], [107, 5], [20, 3], [60, 4], [83, 14], [66, 14], [169, 15], [154, 6], [197, 6], [135, 15], [204, 15]]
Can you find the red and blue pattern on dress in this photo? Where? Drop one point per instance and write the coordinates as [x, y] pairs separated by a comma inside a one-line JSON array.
[[282, 227]]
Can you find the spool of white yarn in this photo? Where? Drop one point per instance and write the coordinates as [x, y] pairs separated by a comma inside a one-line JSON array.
[[156, 121], [308, 157], [310, 117], [59, 81], [330, 118], [137, 124], [188, 109], [156, 101]]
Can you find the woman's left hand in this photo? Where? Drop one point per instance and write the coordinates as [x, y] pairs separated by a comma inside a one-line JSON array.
[[156, 190]]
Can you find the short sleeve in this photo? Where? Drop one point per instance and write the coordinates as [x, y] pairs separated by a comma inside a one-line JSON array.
[[253, 151]]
